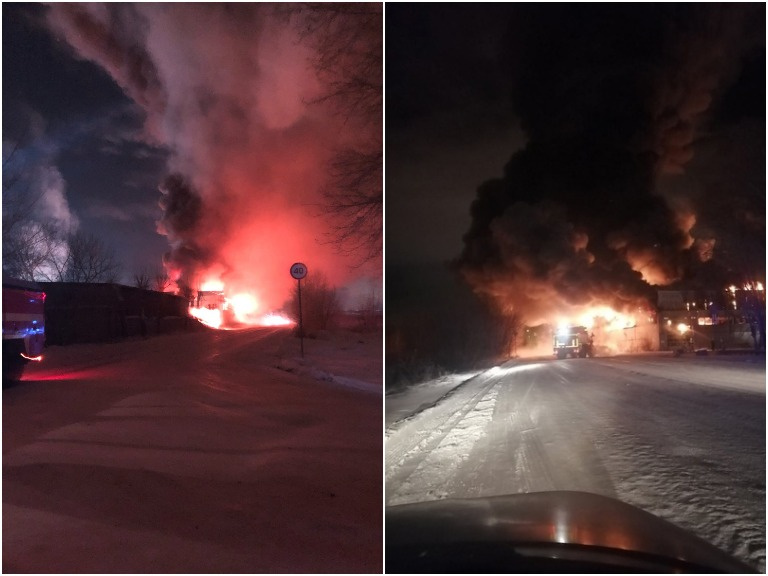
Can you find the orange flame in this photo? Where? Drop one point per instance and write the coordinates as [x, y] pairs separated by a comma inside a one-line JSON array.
[[234, 311], [275, 320], [212, 318], [612, 319], [243, 306], [212, 285]]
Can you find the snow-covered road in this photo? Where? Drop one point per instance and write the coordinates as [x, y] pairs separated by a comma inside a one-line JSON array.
[[203, 452], [683, 438]]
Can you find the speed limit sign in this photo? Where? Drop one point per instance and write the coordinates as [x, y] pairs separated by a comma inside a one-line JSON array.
[[298, 270]]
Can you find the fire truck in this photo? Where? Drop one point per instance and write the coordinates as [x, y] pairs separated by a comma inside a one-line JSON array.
[[573, 341], [23, 326]]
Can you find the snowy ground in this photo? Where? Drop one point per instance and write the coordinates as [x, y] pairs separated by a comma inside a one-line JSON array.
[[205, 452], [404, 403], [683, 438]]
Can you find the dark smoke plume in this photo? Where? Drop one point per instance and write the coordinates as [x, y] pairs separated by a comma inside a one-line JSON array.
[[231, 91], [614, 101], [182, 213]]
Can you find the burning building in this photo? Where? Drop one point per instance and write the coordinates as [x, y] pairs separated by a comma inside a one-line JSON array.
[[608, 201]]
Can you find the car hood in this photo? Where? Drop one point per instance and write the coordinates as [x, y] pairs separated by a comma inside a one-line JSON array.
[[552, 524]]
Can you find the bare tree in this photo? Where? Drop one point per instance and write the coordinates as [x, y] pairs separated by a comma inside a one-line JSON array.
[[90, 260], [142, 279], [348, 43], [348, 38], [511, 324], [319, 302], [32, 250], [371, 312], [161, 280], [353, 204]]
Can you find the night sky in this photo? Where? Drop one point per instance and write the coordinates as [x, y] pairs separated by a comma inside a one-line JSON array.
[[200, 136], [571, 153], [73, 122], [449, 123]]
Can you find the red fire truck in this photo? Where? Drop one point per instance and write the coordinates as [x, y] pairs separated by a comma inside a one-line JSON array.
[[23, 326]]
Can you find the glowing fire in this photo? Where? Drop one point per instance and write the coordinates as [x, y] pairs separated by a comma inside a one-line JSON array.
[[608, 317], [234, 311], [212, 285], [212, 318], [748, 287], [243, 306], [275, 320]]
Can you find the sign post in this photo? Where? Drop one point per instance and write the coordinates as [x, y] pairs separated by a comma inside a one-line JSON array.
[[299, 271]]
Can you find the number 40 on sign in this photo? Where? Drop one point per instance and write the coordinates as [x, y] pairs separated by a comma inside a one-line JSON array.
[[298, 271]]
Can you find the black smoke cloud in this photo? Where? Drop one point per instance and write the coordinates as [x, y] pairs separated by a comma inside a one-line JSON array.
[[615, 101], [182, 215], [181, 206]]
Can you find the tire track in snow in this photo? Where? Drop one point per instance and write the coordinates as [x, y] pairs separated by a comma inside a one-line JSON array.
[[511, 457], [422, 472]]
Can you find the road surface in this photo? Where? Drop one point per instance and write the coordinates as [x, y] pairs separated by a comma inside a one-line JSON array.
[[204, 452], [683, 438]]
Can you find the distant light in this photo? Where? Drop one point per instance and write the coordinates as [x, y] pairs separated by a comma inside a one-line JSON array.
[[682, 328]]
